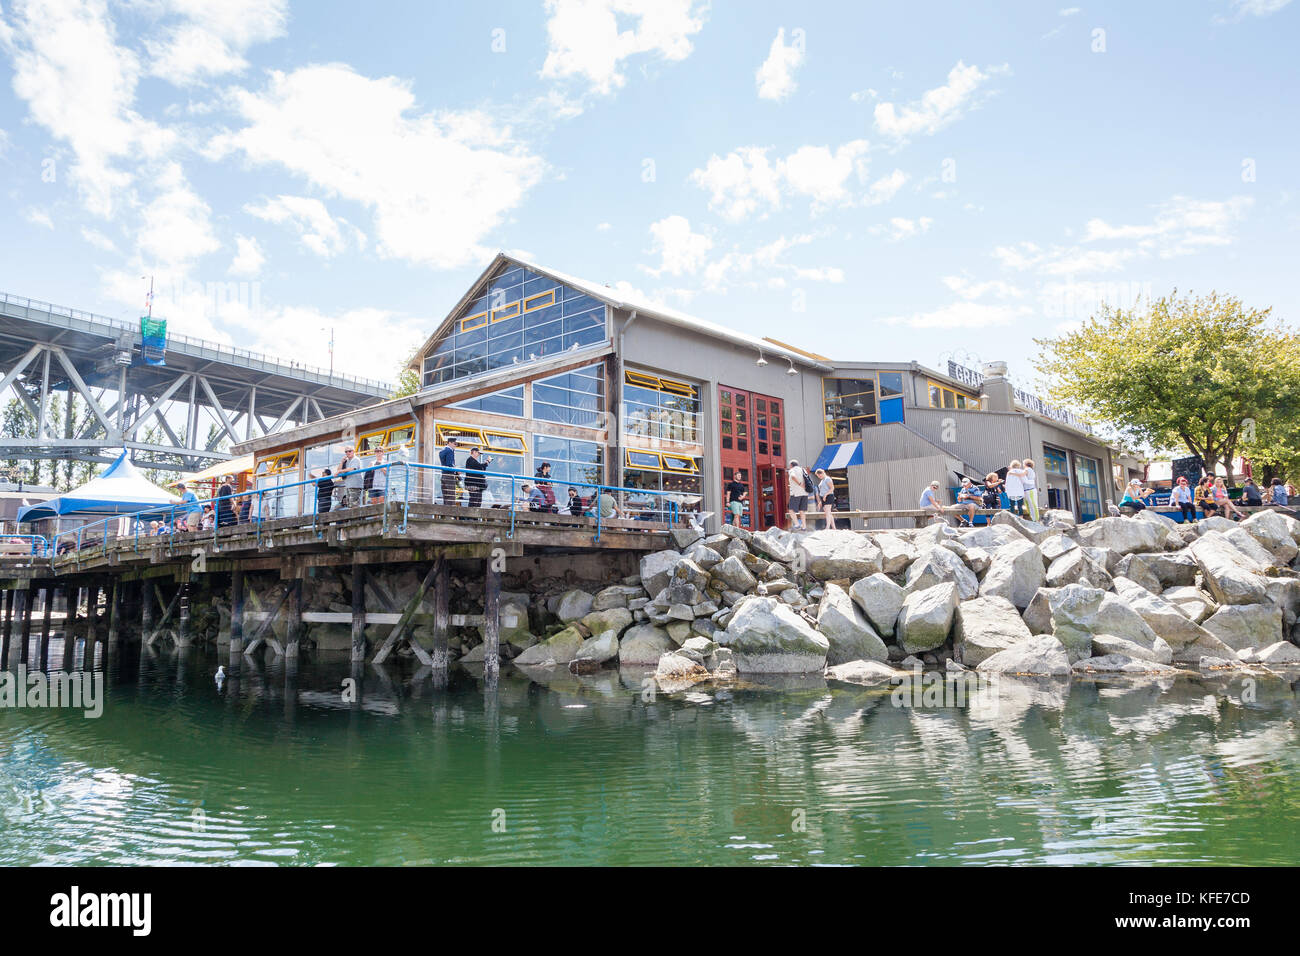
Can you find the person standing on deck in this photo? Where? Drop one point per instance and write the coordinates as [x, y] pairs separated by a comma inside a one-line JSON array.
[[736, 495], [354, 480], [378, 480], [193, 512], [324, 493], [798, 488], [1030, 482], [226, 503], [474, 480], [447, 458], [826, 496]]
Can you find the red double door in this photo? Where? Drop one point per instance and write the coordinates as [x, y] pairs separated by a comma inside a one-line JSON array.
[[752, 432]]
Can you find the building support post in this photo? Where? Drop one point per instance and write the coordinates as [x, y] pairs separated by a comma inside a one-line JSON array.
[[236, 617], [47, 608], [25, 631], [293, 633], [183, 636], [148, 600], [491, 621], [92, 627], [114, 613], [358, 611], [441, 614]]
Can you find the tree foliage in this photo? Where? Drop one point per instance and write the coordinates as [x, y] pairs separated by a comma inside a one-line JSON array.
[[1203, 373], [408, 378]]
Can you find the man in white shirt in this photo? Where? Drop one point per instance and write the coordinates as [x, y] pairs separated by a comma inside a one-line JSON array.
[[1029, 481], [798, 497]]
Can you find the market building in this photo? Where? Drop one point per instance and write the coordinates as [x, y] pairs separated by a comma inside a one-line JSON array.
[[533, 366]]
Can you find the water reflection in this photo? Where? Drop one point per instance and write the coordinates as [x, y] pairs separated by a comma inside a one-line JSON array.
[[328, 762]]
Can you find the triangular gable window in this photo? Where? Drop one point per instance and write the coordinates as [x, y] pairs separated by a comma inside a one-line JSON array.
[[521, 317]]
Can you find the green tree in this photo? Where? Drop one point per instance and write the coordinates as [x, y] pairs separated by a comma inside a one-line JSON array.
[[408, 378], [1198, 372]]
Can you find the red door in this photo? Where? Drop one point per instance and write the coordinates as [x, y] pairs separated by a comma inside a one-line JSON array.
[[752, 432]]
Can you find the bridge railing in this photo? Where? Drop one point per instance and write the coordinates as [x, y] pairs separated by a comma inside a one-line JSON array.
[[394, 485]]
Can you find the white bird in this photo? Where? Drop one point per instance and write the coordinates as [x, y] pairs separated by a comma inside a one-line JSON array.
[[697, 520], [221, 675]]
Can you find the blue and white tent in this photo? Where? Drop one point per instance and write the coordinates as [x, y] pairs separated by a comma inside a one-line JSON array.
[[120, 490], [841, 455]]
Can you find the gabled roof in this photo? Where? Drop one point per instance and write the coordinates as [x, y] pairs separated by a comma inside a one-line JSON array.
[[628, 303]]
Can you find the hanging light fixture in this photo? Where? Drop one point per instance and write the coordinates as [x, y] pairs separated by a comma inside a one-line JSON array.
[[761, 361], [791, 370]]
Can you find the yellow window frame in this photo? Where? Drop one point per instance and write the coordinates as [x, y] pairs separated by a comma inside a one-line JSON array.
[[681, 388], [391, 439], [465, 322], [490, 433], [458, 432], [931, 383], [691, 469], [498, 317], [628, 463], [643, 380], [528, 302]]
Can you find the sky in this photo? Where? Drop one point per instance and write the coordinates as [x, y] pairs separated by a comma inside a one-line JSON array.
[[872, 181]]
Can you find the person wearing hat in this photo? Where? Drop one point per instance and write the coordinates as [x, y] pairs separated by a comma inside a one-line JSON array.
[[1181, 495], [447, 459], [798, 487], [930, 500], [193, 510], [969, 497], [1133, 495], [354, 479]]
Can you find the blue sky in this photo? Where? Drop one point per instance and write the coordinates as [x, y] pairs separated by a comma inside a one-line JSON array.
[[874, 181]]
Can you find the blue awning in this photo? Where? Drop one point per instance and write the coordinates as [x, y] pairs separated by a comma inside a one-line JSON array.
[[840, 455]]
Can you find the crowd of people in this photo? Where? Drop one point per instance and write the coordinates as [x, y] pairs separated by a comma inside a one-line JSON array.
[[1020, 486]]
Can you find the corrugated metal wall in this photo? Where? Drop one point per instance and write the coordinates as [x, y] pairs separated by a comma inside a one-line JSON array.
[[897, 485]]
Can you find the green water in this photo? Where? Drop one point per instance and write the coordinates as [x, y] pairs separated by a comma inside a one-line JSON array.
[[276, 768]]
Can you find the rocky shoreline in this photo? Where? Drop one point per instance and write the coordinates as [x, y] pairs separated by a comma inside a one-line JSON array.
[[1138, 595]]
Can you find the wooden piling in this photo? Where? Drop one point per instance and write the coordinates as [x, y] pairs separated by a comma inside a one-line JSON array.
[[236, 616], [183, 636], [25, 628], [5, 638], [293, 633], [148, 598], [491, 620], [92, 627], [114, 612], [47, 608], [6, 620], [358, 611], [441, 615]]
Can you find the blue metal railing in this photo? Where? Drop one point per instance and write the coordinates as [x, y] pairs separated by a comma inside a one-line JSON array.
[[38, 544], [252, 507]]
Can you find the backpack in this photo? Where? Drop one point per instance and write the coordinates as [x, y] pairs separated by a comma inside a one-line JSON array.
[[810, 485]]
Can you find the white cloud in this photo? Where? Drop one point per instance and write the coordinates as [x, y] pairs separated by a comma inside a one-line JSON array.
[[681, 251], [210, 38], [176, 227], [1181, 226], [249, 258], [1252, 8], [38, 217], [585, 41], [967, 289], [936, 108], [820, 274], [861, 95], [900, 228], [775, 77], [98, 239], [1069, 11], [603, 227], [437, 183], [745, 181], [884, 188], [965, 315], [320, 232]]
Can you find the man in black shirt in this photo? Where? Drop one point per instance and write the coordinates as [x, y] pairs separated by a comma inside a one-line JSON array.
[[737, 492]]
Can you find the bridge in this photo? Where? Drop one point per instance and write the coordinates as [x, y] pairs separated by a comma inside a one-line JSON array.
[[177, 416]]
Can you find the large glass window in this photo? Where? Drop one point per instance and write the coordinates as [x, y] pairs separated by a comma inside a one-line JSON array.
[[277, 478], [572, 398], [507, 450], [507, 401], [945, 396], [522, 317], [660, 408], [573, 462], [651, 471], [850, 404], [1085, 475]]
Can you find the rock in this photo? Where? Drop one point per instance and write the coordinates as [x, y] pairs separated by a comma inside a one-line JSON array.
[[1039, 656], [1282, 652], [643, 645], [1246, 625], [940, 566], [737, 532], [703, 555], [851, 636], [863, 672], [573, 605], [1188, 640], [793, 596], [832, 554], [616, 619], [684, 536], [911, 663], [766, 636], [734, 576], [1074, 616], [1191, 601], [1055, 545], [1057, 518], [1122, 535], [984, 626], [1156, 572], [611, 597], [896, 552], [1032, 530], [1259, 556], [978, 560], [1075, 567], [1015, 574], [952, 667], [600, 648], [1121, 664], [681, 612], [704, 627], [990, 536], [657, 568], [675, 667], [880, 600], [687, 571], [1284, 593], [1038, 616], [926, 617], [514, 607], [559, 648], [679, 631], [1228, 575], [1104, 557], [1158, 650], [778, 544]]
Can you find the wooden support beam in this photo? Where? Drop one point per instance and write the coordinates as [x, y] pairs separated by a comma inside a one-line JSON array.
[[441, 605], [5, 637], [401, 629], [25, 633], [47, 603], [293, 635], [256, 641], [6, 620], [114, 612], [92, 630], [236, 615], [491, 620], [183, 636], [358, 612], [148, 596]]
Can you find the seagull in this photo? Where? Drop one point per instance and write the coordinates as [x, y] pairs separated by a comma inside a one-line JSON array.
[[221, 676], [697, 520]]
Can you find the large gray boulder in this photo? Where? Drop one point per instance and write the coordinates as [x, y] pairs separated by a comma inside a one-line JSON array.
[[1191, 601], [1156, 572], [1246, 625], [938, 565], [599, 648], [733, 575], [984, 626], [1122, 535], [703, 555], [657, 569], [1074, 618], [990, 536], [1039, 656], [1075, 567], [851, 636], [833, 554], [616, 619], [864, 672], [896, 552], [1283, 652], [573, 605], [1032, 530], [559, 648], [781, 545], [1244, 542], [1230, 576], [1016, 573], [1187, 639], [1038, 616], [880, 600], [1121, 664], [926, 617], [1055, 545], [768, 637], [1158, 651], [644, 644], [1056, 518]]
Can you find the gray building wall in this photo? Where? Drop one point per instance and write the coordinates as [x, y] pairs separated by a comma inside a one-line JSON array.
[[895, 485]]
